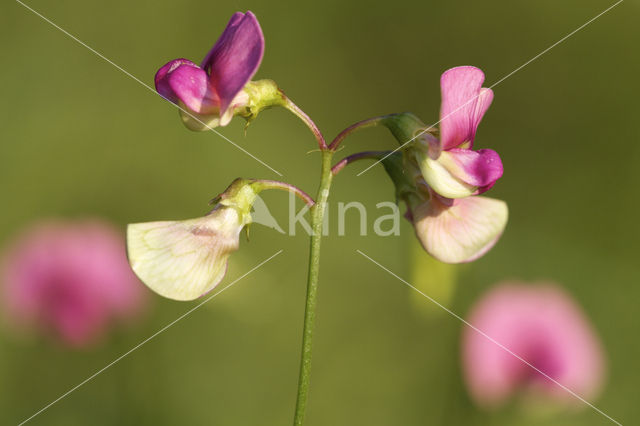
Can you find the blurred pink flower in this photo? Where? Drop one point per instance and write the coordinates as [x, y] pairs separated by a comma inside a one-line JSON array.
[[70, 279], [542, 325]]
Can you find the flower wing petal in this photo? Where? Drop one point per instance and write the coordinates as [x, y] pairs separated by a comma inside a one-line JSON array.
[[481, 168], [162, 78], [191, 86]]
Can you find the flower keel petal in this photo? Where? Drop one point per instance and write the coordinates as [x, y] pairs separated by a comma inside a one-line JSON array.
[[441, 179]]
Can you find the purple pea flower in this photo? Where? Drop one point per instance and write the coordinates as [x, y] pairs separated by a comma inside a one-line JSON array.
[[212, 93], [69, 279], [449, 164], [542, 325]]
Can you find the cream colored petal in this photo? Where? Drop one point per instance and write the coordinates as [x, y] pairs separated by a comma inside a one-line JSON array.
[[440, 179], [462, 232], [198, 122], [183, 260]]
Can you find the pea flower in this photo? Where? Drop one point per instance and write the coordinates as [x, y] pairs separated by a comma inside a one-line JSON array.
[[545, 327], [452, 230], [213, 92], [69, 279], [184, 260], [449, 165]]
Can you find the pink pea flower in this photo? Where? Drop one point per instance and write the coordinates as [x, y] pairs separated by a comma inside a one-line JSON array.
[[212, 92], [542, 325], [449, 164], [69, 279]]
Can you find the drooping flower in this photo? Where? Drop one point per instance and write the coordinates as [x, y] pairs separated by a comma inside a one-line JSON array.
[[448, 164], [441, 176], [459, 230], [542, 325], [451, 230], [70, 279], [184, 260], [213, 92]]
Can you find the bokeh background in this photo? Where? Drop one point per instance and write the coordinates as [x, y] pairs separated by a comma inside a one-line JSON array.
[[80, 138]]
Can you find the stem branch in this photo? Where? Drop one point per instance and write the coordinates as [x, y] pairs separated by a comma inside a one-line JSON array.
[[288, 104], [369, 122], [374, 155], [274, 184]]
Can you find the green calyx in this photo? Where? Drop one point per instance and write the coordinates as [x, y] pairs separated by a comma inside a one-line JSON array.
[[240, 195], [404, 126], [262, 94], [403, 181]]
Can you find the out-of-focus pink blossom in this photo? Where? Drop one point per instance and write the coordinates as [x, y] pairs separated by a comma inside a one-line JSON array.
[[70, 279], [542, 325]]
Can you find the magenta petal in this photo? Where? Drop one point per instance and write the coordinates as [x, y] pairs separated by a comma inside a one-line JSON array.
[[463, 105], [235, 57], [481, 168], [190, 84], [222, 41], [162, 78]]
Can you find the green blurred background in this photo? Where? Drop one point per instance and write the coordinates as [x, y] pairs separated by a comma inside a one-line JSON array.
[[81, 138]]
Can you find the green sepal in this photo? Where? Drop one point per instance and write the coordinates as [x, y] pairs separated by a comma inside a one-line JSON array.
[[263, 94], [403, 182]]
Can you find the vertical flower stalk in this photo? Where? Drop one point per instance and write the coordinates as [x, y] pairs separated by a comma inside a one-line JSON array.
[[317, 216]]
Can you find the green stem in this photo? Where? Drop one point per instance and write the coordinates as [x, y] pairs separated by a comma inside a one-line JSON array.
[[317, 216]]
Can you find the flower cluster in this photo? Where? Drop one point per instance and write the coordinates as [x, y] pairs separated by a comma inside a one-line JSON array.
[[437, 174], [445, 175]]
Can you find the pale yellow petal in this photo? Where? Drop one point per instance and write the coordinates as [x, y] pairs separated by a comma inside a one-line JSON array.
[[462, 232], [441, 180], [183, 260]]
